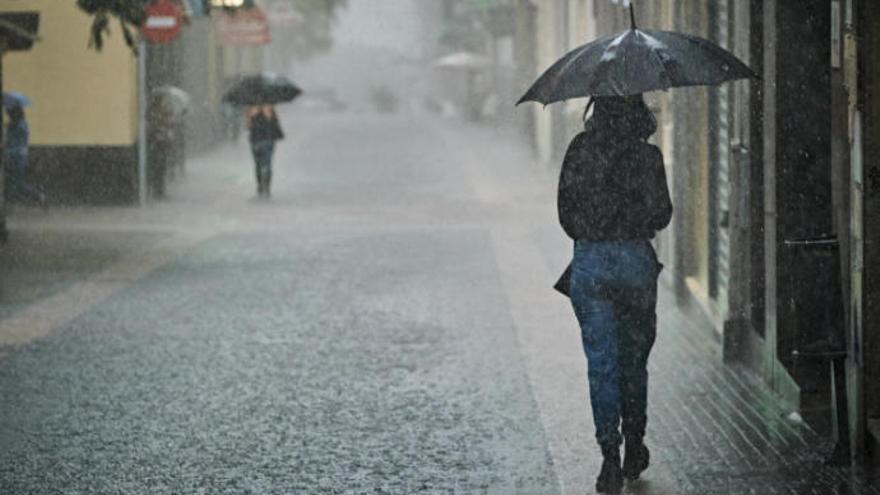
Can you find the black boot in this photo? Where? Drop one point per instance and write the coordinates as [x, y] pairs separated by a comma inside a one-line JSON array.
[[637, 458], [611, 476]]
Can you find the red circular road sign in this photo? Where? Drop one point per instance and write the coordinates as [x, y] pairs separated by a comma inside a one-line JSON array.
[[162, 22]]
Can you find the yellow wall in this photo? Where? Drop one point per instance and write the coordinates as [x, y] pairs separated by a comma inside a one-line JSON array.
[[80, 97]]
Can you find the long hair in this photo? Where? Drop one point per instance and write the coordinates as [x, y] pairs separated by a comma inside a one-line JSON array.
[[624, 116], [267, 111]]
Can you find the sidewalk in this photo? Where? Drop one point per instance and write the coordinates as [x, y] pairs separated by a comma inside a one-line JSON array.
[[59, 263], [36, 264], [713, 428], [719, 428]]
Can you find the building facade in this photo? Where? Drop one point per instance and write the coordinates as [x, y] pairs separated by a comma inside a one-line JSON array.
[[775, 184], [86, 116]]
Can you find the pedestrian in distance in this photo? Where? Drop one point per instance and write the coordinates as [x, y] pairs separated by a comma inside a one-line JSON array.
[[265, 129], [16, 158], [162, 136], [612, 200]]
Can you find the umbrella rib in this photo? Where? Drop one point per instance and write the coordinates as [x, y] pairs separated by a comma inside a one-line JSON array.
[[611, 66], [653, 44], [663, 69], [605, 61], [573, 57]]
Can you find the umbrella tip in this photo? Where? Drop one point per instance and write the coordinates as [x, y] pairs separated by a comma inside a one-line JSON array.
[[632, 15]]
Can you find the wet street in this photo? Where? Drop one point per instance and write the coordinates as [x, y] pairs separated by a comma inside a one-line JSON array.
[[383, 325]]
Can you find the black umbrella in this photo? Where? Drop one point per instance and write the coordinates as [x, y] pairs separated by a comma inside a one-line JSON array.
[[636, 61], [261, 89]]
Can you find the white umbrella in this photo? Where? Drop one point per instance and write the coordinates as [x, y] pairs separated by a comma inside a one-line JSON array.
[[462, 60], [176, 100]]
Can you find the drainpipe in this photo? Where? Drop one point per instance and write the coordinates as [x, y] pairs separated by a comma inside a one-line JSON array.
[[4, 234]]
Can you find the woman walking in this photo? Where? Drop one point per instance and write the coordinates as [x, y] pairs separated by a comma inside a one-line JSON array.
[[262, 121], [612, 200]]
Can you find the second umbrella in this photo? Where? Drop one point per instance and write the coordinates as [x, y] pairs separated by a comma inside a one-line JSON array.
[[261, 89], [15, 99]]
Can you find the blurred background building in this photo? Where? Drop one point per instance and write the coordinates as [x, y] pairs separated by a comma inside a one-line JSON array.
[[84, 119], [85, 116]]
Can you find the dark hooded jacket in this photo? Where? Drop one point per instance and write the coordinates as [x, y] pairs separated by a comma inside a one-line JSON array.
[[265, 128], [613, 184]]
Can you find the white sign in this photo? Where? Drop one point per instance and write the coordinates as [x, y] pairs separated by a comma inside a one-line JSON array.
[[161, 22]]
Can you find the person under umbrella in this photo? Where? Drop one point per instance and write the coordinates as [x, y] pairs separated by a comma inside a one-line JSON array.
[[15, 156], [260, 93], [612, 200], [265, 129]]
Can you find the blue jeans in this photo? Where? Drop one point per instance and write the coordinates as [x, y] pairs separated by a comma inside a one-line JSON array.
[[263, 151], [614, 295]]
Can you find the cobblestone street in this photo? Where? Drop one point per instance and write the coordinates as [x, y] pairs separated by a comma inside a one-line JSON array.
[[385, 324]]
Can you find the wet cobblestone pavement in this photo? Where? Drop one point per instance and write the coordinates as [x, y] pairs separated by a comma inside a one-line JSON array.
[[721, 431], [269, 366], [371, 330]]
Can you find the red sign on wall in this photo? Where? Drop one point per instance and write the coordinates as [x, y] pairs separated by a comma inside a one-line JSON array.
[[162, 21], [244, 27], [282, 13]]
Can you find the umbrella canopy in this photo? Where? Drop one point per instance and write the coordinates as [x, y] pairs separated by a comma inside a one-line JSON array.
[[636, 61], [462, 60], [261, 89], [15, 99], [176, 100]]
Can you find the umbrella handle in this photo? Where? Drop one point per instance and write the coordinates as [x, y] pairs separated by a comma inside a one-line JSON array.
[[587, 109], [632, 15]]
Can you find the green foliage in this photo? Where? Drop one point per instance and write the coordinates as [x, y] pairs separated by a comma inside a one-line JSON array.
[[128, 13], [313, 34]]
